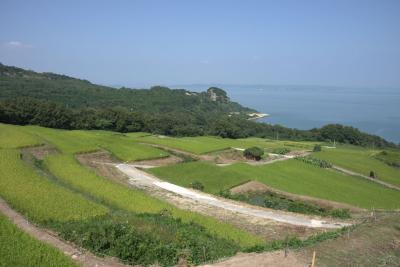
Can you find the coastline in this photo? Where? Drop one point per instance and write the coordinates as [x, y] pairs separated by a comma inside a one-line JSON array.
[[256, 116]]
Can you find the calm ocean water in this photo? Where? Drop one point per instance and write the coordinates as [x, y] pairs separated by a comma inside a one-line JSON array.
[[375, 111]]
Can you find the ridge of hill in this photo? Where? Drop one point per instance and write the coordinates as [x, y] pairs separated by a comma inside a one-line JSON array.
[[59, 101]]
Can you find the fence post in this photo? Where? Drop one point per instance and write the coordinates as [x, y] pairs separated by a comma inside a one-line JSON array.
[[313, 259]]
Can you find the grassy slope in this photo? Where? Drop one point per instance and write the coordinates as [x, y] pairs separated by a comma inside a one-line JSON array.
[[65, 167], [373, 243], [214, 178], [291, 176], [13, 136], [206, 144], [360, 160], [38, 198], [71, 142], [68, 169], [20, 249]]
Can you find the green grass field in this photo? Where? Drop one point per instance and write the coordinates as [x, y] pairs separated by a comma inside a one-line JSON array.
[[20, 249], [69, 170], [206, 144], [37, 197], [360, 160], [71, 142], [291, 176], [15, 137]]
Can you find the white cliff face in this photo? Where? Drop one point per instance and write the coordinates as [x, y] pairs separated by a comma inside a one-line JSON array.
[[217, 94], [213, 95]]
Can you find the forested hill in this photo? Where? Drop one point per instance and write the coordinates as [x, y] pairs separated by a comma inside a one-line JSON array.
[[59, 101], [76, 93]]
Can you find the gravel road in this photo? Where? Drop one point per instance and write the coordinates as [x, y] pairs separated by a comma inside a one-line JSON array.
[[137, 176]]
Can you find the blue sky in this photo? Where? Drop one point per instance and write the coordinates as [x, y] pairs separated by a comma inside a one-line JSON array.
[[141, 43]]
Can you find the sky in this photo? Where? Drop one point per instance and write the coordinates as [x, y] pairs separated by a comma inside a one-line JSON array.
[[143, 43]]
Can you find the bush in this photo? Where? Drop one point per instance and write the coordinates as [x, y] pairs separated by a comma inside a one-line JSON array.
[[372, 174], [253, 153], [145, 239], [281, 150], [197, 185], [280, 202], [317, 148]]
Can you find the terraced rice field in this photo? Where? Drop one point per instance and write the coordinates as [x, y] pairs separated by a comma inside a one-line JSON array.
[[13, 137], [38, 198], [71, 142], [292, 176], [68, 170], [206, 144], [20, 249], [360, 160]]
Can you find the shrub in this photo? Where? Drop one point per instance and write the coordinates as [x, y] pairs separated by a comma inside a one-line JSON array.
[[281, 150], [280, 202], [314, 161], [372, 174], [253, 153], [146, 239], [197, 185], [317, 148]]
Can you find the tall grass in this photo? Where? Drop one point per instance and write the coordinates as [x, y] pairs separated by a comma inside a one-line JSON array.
[[38, 198], [12, 136], [20, 249]]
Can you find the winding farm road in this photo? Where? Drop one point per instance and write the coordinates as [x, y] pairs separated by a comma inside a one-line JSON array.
[[137, 176]]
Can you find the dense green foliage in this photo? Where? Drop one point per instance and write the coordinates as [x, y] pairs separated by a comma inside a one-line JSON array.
[[360, 160], [292, 176], [20, 249], [280, 202], [197, 185], [38, 198], [147, 238], [315, 161], [253, 153], [59, 101]]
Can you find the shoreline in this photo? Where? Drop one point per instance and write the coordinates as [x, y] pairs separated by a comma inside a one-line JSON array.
[[256, 116]]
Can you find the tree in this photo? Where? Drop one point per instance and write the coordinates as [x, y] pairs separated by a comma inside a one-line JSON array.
[[253, 153]]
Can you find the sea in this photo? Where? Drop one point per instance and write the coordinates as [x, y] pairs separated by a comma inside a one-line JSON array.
[[373, 110]]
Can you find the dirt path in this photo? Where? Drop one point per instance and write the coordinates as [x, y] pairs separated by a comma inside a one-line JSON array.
[[79, 255], [348, 172], [142, 179], [266, 259]]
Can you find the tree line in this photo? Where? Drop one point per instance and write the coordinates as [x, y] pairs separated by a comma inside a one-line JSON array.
[[25, 110]]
